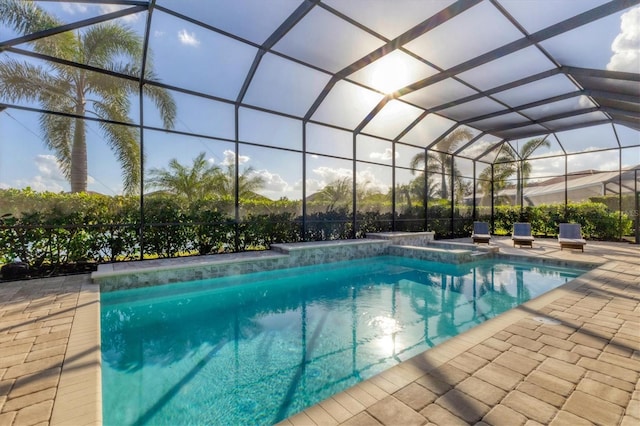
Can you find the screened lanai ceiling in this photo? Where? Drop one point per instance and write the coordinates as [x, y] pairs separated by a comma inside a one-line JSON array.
[[409, 71]]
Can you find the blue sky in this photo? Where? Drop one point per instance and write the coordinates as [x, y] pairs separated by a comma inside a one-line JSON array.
[[189, 56]]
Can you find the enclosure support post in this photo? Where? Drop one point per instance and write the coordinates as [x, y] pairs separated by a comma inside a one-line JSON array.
[[453, 201], [426, 191], [393, 186], [304, 181], [473, 206], [353, 189], [620, 193], [637, 199], [492, 195], [236, 177], [566, 188], [141, 135]]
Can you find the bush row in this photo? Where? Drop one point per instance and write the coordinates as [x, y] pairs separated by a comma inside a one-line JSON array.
[[61, 229]]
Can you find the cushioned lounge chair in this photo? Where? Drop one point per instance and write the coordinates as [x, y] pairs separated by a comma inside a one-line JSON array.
[[521, 234], [570, 236], [480, 232]]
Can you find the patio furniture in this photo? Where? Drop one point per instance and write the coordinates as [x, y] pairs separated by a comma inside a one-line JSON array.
[[570, 236], [480, 233], [521, 234]]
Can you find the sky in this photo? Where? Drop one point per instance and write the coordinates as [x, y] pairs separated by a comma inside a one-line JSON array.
[[188, 56]]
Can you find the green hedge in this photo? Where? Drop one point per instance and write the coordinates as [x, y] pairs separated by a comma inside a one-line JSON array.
[[597, 221], [60, 229]]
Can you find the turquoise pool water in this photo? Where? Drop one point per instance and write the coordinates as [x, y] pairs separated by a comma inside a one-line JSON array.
[[255, 349]]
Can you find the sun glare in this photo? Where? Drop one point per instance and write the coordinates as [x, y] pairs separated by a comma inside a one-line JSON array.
[[387, 329], [389, 73]]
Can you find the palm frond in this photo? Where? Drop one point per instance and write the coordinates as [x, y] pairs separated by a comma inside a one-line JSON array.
[[22, 80], [26, 17], [531, 145], [104, 42], [58, 136], [164, 102], [123, 141], [113, 108], [417, 159]]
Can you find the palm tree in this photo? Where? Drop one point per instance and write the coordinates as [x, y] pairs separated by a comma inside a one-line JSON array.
[[248, 183], [523, 167], [203, 179], [501, 172], [440, 162], [194, 182], [415, 190], [509, 163], [337, 193], [78, 92]]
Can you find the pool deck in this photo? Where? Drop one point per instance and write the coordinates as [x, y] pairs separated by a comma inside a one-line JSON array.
[[568, 357]]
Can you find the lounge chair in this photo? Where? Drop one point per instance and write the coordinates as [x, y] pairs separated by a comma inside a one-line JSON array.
[[521, 234], [570, 236], [480, 233]]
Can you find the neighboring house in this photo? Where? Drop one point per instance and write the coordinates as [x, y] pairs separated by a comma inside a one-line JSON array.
[[580, 186]]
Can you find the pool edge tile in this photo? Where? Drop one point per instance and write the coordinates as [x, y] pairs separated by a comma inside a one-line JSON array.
[[81, 365]]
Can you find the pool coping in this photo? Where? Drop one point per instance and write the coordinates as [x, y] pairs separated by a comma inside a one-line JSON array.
[[79, 397]]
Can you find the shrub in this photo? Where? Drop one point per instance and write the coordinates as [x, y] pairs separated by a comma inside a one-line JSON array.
[[52, 230]]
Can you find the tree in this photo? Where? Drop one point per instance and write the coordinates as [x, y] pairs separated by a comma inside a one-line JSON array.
[[203, 179], [248, 183], [510, 162], [194, 182], [441, 162], [501, 173], [337, 194], [79, 92], [522, 166]]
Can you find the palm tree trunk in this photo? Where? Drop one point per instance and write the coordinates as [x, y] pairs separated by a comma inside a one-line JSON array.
[[78, 173], [407, 195], [443, 182]]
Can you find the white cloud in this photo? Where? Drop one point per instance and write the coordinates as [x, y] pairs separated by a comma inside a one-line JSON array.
[[73, 8], [49, 177], [273, 182], [108, 8], [626, 46], [49, 167], [230, 158], [328, 175], [386, 155], [370, 181], [188, 38], [79, 8], [313, 185], [40, 184], [157, 33]]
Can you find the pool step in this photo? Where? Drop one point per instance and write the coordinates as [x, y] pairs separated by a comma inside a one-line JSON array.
[[434, 254]]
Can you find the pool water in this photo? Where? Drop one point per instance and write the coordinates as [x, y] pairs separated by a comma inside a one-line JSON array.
[[255, 349]]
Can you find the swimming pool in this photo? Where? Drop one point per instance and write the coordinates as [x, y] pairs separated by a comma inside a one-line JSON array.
[[257, 348]]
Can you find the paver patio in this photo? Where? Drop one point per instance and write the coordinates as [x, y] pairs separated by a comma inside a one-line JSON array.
[[571, 356]]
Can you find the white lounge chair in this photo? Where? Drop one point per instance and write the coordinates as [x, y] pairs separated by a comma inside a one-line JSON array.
[[521, 234], [570, 236], [480, 233]]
